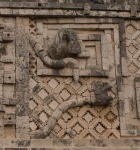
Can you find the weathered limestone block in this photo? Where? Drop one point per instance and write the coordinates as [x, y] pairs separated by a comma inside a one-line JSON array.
[[8, 34], [43, 43], [9, 119], [9, 77], [22, 77]]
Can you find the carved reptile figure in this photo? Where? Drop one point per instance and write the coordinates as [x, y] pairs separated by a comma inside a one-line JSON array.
[[99, 97], [61, 53]]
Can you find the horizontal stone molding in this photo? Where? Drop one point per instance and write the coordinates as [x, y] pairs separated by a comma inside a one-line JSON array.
[[56, 144], [65, 12]]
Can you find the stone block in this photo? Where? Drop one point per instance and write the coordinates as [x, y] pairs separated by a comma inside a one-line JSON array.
[[124, 67], [66, 20], [9, 77], [22, 122], [9, 119], [43, 117], [1, 76], [94, 37], [65, 94], [32, 84], [53, 104], [9, 67], [43, 94], [7, 59], [8, 36], [41, 143], [10, 109], [62, 142], [105, 62], [32, 104], [22, 133], [20, 143], [33, 126]]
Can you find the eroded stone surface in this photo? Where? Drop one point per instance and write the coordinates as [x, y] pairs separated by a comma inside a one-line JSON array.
[[58, 60]]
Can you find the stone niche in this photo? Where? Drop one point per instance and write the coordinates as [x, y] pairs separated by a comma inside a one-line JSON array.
[[69, 74]]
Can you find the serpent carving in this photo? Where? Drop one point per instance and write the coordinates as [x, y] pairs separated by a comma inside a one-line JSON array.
[[61, 53], [96, 98]]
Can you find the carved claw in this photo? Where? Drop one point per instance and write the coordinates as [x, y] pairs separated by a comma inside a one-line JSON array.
[[38, 134]]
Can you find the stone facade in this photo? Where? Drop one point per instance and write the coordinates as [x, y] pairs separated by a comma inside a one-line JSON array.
[[69, 74]]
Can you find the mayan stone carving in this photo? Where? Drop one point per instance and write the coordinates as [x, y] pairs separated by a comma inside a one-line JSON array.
[[65, 102], [59, 54], [99, 97], [69, 74]]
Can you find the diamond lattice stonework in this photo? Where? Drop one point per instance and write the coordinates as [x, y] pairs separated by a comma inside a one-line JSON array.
[[53, 104], [132, 49], [33, 126], [78, 128], [133, 68], [53, 83], [88, 117], [100, 128], [32, 104], [65, 94], [42, 94], [43, 117], [110, 116]]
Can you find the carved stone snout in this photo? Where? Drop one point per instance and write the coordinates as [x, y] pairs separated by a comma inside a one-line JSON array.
[[100, 93]]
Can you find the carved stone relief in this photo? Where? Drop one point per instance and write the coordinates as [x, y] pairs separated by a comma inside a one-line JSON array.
[[89, 62], [99, 97], [7, 78], [61, 107], [75, 79], [69, 74], [65, 45], [128, 93]]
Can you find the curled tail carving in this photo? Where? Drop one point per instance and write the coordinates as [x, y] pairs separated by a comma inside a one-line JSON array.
[[52, 63]]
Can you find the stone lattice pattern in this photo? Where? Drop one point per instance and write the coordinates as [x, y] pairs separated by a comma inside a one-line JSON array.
[[129, 90], [49, 92], [133, 47], [80, 122]]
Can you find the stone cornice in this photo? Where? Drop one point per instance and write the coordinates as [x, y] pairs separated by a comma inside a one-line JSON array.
[[77, 8]]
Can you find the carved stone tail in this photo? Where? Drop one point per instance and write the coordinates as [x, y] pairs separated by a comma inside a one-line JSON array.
[[57, 114], [54, 64]]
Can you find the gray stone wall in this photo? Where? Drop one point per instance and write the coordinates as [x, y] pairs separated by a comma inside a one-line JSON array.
[[69, 74]]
